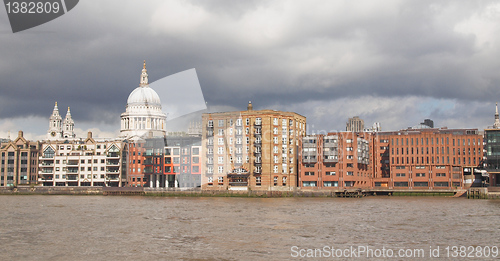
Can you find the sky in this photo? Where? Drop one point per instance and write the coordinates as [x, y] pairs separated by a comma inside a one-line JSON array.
[[393, 62]]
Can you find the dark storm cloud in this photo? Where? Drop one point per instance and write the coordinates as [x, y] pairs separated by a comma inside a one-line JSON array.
[[279, 54]]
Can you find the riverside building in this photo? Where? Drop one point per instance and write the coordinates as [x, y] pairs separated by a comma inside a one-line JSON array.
[[19, 162], [252, 149], [492, 151], [336, 161], [81, 162], [428, 158]]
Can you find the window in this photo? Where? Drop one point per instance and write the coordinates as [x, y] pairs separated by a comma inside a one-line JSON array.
[[330, 183], [275, 181], [330, 173], [309, 173], [238, 122], [440, 184], [220, 180], [350, 173], [258, 181], [400, 175], [283, 181], [275, 121], [441, 175], [308, 183], [420, 175], [221, 123], [275, 169], [221, 170]]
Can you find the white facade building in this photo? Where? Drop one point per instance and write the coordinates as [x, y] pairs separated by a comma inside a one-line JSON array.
[[83, 163], [143, 116]]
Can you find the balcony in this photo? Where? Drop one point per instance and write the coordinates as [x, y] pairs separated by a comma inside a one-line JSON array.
[[113, 155], [113, 177], [47, 164], [113, 170], [330, 159], [47, 170], [309, 159], [72, 163], [114, 162], [71, 177]]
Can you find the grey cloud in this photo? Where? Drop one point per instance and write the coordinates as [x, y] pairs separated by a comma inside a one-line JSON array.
[[91, 58]]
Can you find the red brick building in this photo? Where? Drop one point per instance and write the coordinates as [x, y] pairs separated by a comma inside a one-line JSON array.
[[409, 159], [135, 175], [336, 161], [426, 158]]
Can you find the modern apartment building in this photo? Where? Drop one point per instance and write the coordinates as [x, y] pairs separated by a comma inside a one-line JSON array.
[[183, 160], [19, 165], [336, 161], [492, 151], [428, 158], [83, 162], [171, 161], [252, 149]]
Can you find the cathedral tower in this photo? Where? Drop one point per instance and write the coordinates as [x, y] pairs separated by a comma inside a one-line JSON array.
[[55, 127]]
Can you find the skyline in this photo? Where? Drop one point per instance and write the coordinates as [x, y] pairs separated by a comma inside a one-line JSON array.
[[396, 64]]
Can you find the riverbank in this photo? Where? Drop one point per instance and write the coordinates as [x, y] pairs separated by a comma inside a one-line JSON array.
[[473, 193]]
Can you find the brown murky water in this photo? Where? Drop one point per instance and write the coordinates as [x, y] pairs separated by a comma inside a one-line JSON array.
[[147, 228]]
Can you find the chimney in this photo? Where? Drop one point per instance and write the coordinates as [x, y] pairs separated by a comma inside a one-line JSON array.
[[20, 134], [89, 135]]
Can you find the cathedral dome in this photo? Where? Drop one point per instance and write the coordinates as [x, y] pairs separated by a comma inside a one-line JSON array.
[[143, 116], [143, 95]]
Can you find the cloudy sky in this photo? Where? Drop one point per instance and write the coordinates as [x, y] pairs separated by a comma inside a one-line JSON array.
[[393, 62]]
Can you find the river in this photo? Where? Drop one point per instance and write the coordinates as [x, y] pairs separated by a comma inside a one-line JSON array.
[[162, 228]]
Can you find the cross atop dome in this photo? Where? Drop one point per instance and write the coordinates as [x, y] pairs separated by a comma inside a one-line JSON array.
[[144, 76]]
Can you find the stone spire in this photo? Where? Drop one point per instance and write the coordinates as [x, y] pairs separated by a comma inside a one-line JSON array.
[[496, 125], [55, 124], [69, 126], [144, 76], [55, 118]]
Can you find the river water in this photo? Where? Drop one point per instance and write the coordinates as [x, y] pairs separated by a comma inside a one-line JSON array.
[[162, 228]]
